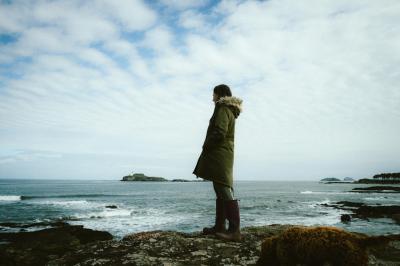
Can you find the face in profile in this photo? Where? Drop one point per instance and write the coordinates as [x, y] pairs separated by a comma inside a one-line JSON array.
[[215, 97]]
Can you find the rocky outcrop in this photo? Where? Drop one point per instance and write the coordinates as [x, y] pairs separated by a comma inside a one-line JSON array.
[[363, 211], [377, 189], [39, 247], [377, 181], [322, 245], [153, 248], [172, 248]]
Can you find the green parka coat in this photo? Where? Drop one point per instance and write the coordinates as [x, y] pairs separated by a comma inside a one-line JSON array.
[[216, 160]]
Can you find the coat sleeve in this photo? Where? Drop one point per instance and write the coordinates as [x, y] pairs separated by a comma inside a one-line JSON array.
[[219, 129]]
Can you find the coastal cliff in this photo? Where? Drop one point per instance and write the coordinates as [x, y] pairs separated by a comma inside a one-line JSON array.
[[73, 245]]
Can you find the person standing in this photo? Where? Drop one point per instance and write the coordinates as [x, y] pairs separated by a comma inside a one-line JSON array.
[[216, 162]]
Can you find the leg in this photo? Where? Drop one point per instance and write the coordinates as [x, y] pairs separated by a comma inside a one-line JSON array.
[[219, 214], [223, 192], [231, 208]]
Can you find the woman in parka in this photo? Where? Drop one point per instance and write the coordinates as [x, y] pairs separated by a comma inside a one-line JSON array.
[[216, 162]]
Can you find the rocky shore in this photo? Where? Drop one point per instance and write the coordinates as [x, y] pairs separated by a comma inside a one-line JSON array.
[[363, 211], [377, 189], [75, 245]]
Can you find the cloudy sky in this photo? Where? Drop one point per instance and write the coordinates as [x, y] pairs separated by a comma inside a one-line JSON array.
[[100, 89]]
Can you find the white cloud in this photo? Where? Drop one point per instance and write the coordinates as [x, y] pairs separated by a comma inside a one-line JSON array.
[[319, 83], [28, 156], [158, 39], [133, 15], [193, 20]]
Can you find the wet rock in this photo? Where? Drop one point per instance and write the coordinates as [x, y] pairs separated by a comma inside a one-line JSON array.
[[56, 223], [396, 217], [345, 218], [36, 248], [173, 248], [363, 211], [377, 189], [111, 207]]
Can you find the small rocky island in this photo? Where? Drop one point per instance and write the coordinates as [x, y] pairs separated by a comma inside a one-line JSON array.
[[140, 177], [143, 177], [383, 178], [332, 180]]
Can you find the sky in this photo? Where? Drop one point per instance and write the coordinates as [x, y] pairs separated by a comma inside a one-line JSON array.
[[100, 89]]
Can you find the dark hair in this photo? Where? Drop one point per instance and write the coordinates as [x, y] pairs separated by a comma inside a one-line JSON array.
[[222, 90]]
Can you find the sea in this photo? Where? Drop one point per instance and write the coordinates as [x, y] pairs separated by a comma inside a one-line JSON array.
[[122, 208]]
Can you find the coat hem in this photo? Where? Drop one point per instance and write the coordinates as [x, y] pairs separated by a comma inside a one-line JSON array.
[[213, 180]]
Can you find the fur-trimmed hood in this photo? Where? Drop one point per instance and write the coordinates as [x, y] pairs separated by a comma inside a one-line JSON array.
[[234, 103]]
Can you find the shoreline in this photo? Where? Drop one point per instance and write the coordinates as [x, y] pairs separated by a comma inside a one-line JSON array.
[[72, 244]]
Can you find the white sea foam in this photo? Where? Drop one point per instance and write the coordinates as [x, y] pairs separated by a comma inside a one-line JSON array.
[[376, 198], [9, 198], [72, 204], [68, 202], [318, 203], [124, 221], [115, 213], [325, 192], [107, 213]]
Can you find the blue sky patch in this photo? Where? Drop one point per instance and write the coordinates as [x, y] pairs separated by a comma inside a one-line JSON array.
[[8, 38]]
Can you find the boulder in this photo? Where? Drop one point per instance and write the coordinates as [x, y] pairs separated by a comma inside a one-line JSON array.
[[35, 248], [321, 245]]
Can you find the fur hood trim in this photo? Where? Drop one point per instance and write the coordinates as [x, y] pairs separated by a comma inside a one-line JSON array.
[[233, 102]]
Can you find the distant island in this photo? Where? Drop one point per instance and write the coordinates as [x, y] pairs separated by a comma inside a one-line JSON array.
[[331, 180], [140, 177], [383, 178], [143, 177]]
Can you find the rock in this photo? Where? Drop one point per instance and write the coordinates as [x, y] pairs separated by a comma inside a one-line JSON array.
[[36, 248], [199, 253], [321, 246], [377, 181], [377, 189], [396, 217], [154, 248], [363, 211], [56, 223], [111, 207], [345, 218]]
